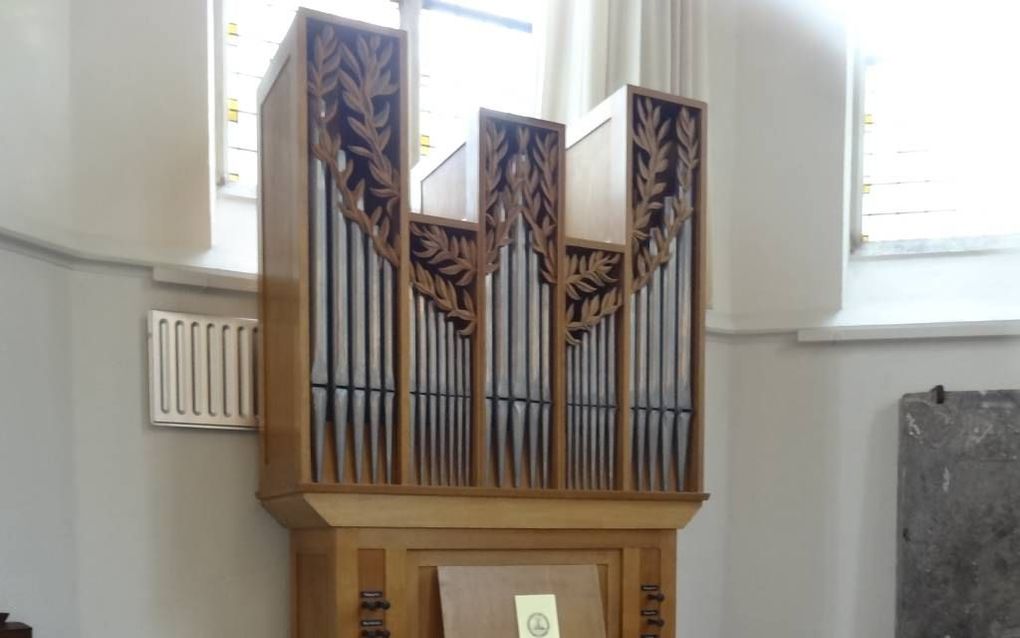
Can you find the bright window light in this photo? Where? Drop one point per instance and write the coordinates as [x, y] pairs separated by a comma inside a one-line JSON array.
[[253, 30], [941, 131], [472, 53]]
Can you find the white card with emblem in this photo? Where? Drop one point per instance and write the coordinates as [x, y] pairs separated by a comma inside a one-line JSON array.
[[536, 616]]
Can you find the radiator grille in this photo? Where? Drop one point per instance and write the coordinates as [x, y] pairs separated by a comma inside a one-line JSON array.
[[202, 370]]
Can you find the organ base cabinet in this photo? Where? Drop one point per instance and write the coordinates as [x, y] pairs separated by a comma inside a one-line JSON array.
[[357, 582], [512, 375]]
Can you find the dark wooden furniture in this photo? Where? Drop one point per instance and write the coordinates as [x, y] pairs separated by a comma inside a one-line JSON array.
[[14, 629]]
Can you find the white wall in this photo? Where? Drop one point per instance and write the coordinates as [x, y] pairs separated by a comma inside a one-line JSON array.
[[778, 98], [35, 157], [964, 287], [786, 113], [122, 529], [701, 555], [106, 143], [812, 463], [37, 474], [139, 122], [110, 526]]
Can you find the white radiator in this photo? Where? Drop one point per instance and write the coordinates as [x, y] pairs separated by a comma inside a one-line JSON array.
[[202, 370]]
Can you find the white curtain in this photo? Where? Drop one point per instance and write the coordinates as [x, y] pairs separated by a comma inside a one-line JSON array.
[[592, 47]]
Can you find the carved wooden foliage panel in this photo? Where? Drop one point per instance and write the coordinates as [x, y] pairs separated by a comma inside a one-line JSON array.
[[354, 121], [520, 209], [491, 297], [444, 319], [593, 290], [666, 159]]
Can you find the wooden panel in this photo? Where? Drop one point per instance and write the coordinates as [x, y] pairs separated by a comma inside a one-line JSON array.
[[591, 216], [313, 610], [373, 587], [346, 597], [502, 539], [314, 585], [480, 600], [696, 459], [668, 578], [621, 167], [283, 281], [401, 564], [444, 189], [607, 564], [358, 509], [630, 584], [650, 575], [396, 590], [427, 607]]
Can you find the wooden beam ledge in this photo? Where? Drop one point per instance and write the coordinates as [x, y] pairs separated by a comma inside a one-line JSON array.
[[307, 510]]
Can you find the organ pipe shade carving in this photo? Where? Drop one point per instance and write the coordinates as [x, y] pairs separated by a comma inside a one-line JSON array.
[[537, 326], [520, 218], [442, 337], [665, 146], [354, 187]]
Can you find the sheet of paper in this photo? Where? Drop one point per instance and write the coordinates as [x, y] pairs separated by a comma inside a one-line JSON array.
[[536, 616]]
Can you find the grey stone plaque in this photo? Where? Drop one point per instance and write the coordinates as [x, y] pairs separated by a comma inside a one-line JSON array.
[[959, 516]]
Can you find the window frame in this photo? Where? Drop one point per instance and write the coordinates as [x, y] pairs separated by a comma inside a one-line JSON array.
[[409, 10], [855, 197], [410, 20], [217, 87], [855, 158]]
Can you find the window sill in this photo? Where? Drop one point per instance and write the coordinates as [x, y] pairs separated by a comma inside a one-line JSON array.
[[207, 277], [967, 293], [895, 332], [230, 263], [236, 192], [929, 247], [912, 296]]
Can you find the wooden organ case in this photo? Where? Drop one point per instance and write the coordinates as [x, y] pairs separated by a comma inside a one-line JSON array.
[[512, 376]]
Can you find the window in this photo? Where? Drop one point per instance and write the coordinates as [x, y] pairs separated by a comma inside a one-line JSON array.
[[252, 30], [938, 115], [454, 79]]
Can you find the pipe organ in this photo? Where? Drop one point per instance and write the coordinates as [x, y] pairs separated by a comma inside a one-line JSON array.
[[519, 212], [512, 375], [443, 330], [594, 299]]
